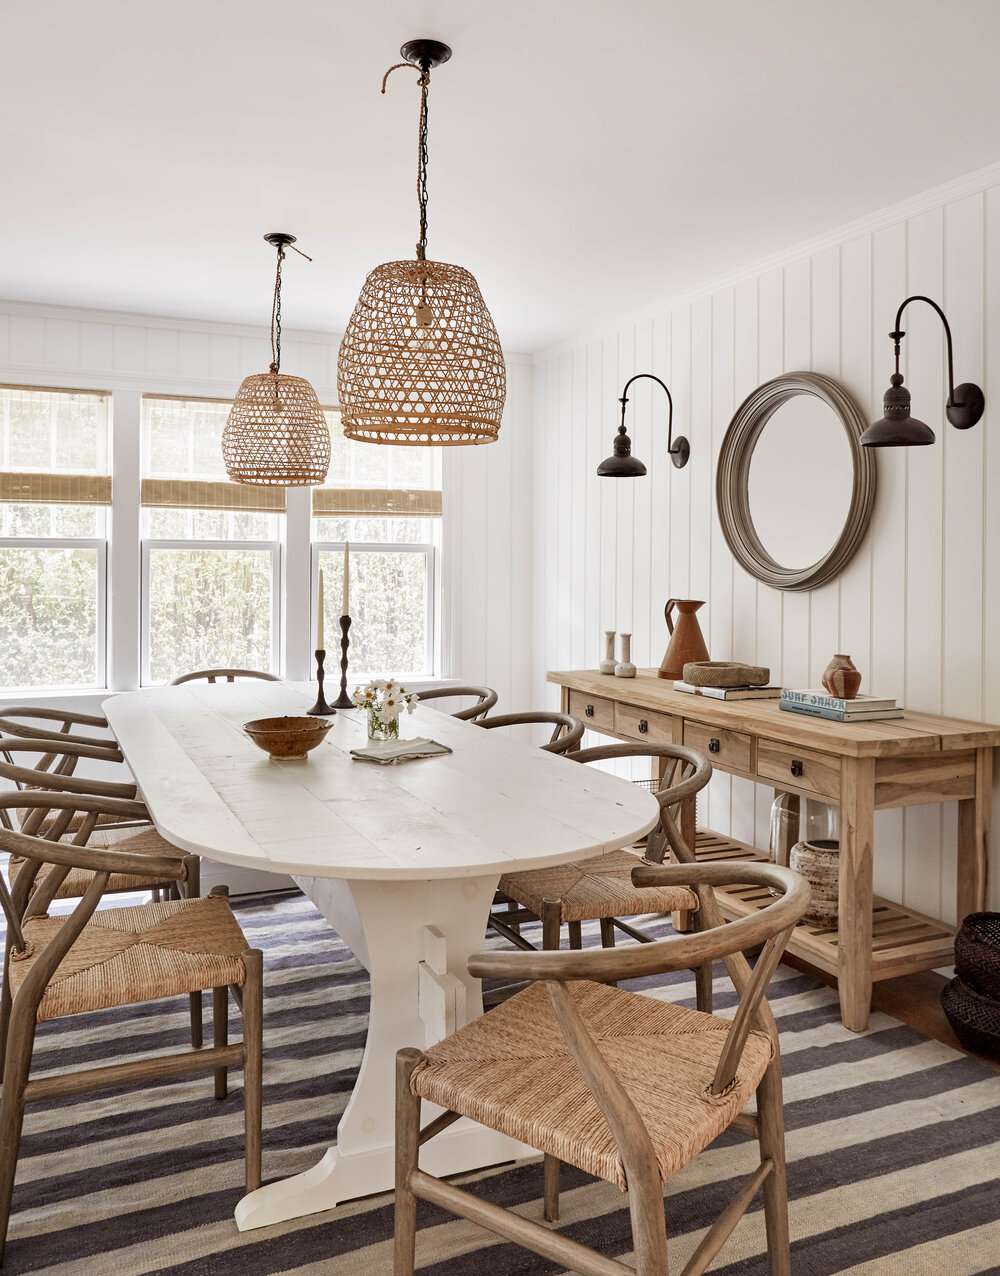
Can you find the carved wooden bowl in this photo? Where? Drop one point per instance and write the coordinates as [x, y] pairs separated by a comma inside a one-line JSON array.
[[725, 673], [287, 737]]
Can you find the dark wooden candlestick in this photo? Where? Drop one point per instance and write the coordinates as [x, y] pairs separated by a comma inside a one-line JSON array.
[[344, 701], [320, 709]]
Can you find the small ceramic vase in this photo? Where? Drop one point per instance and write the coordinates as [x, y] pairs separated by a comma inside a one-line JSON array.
[[607, 665], [625, 668], [819, 863], [841, 678]]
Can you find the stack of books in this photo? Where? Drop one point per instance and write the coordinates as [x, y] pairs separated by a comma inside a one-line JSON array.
[[819, 704], [728, 693]]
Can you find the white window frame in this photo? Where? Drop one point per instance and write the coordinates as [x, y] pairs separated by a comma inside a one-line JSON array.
[[100, 544], [272, 547], [429, 552]]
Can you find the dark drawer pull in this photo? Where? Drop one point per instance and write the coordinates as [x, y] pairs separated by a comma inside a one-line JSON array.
[[643, 726], [714, 745], [589, 711], [797, 767]]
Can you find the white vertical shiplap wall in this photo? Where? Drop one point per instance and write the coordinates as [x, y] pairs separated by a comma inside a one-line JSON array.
[[487, 491], [918, 608]]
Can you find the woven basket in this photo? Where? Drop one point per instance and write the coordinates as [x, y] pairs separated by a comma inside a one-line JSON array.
[[977, 953], [974, 1018]]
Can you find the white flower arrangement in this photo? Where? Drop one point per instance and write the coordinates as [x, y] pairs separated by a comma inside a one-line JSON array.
[[384, 700]]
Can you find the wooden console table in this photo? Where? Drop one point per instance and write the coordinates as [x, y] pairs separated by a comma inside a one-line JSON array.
[[918, 758]]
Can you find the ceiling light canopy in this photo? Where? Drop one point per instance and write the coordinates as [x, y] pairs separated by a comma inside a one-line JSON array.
[[276, 434], [421, 362]]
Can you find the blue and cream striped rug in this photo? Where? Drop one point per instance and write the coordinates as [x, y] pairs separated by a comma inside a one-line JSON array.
[[893, 1143]]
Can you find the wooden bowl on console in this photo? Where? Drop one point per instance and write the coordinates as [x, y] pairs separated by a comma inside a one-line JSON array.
[[287, 737]]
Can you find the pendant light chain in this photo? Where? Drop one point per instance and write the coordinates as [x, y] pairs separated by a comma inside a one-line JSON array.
[[276, 315], [425, 80]]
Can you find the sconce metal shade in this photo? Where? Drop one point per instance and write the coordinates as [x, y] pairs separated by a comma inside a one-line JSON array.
[[621, 463], [897, 428]]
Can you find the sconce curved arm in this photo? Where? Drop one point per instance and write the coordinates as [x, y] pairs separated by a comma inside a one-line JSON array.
[[679, 450], [898, 334]]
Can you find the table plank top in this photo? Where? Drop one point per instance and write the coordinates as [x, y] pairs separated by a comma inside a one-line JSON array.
[[914, 733], [495, 804]]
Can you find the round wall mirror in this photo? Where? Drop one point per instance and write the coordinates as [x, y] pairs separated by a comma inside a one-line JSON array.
[[795, 489]]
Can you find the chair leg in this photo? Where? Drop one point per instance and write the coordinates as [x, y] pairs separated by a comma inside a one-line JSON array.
[[404, 1250], [575, 935], [771, 1123], [252, 1005], [220, 1035], [649, 1226], [5, 1004], [607, 933], [551, 923], [197, 1026], [703, 988], [17, 1066], [551, 1176]]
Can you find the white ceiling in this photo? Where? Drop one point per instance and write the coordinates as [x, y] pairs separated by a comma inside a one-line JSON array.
[[586, 156]]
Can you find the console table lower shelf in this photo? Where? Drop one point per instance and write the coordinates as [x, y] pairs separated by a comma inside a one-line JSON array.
[[903, 941]]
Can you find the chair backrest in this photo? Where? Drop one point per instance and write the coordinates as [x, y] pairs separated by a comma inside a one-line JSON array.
[[228, 675], [685, 774], [26, 900], [486, 698], [24, 720], [50, 764], [567, 731]]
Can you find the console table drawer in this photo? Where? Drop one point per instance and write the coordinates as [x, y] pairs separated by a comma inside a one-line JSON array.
[[592, 710], [800, 768], [644, 724], [728, 748]]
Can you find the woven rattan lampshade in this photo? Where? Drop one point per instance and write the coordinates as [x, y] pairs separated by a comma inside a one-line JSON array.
[[420, 361], [276, 435]]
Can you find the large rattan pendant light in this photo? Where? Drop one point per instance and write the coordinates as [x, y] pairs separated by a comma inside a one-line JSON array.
[[276, 434], [421, 362]]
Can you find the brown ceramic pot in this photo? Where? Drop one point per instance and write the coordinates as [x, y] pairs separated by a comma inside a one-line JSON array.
[[841, 678], [287, 737]]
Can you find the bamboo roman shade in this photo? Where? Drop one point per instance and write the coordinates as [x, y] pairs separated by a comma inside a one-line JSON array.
[[376, 502], [199, 494], [54, 441]]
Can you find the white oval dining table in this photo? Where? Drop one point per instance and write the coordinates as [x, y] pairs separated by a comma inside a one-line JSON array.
[[402, 860]]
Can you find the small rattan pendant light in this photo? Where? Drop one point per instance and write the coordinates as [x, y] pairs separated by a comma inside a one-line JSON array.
[[276, 434], [421, 362]]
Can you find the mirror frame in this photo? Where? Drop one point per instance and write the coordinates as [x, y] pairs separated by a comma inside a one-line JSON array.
[[732, 481]]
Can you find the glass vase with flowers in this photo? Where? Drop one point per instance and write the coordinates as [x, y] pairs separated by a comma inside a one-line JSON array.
[[383, 700]]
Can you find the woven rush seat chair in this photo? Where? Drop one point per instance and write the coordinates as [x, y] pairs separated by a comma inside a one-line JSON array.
[[91, 961], [601, 889], [620, 1085], [227, 675], [486, 698]]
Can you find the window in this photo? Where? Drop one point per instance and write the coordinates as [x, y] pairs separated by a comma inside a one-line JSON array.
[[211, 548], [55, 488], [386, 502]]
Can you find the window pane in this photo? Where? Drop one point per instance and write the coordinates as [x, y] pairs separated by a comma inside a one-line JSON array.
[[53, 431], [382, 531], [389, 608], [208, 525], [48, 622], [209, 608], [182, 438], [87, 521]]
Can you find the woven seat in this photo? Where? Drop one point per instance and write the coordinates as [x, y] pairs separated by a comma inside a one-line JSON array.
[[595, 888], [511, 1070], [128, 955], [78, 879]]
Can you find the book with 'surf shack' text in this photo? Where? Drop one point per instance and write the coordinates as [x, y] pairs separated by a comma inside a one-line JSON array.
[[819, 704]]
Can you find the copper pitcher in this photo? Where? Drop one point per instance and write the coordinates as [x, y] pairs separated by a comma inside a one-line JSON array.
[[686, 639]]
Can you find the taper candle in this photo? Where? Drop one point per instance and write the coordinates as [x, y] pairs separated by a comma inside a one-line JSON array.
[[319, 621], [345, 610]]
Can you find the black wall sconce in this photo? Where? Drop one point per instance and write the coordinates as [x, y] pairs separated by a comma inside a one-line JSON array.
[[621, 463], [897, 428]]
